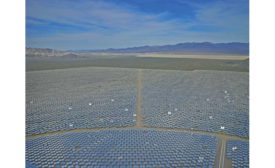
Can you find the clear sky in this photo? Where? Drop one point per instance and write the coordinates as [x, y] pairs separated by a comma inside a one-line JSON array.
[[100, 24]]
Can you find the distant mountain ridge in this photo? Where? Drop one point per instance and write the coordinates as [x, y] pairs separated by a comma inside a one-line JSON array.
[[188, 48], [46, 52], [204, 47]]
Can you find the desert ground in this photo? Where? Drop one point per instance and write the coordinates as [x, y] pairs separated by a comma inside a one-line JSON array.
[[134, 61]]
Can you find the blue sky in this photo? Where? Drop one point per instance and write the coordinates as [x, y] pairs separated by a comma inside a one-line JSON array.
[[99, 24]]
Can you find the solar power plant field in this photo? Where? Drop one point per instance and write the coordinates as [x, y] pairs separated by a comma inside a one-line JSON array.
[[212, 101], [123, 148], [125, 117], [80, 98]]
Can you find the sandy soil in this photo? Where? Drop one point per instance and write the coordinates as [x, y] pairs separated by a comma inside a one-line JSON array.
[[48, 63], [139, 98], [221, 160]]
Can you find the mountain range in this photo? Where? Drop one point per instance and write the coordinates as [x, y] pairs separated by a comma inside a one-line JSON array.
[[235, 48]]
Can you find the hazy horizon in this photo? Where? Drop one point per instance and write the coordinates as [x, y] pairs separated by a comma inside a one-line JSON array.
[[95, 49]]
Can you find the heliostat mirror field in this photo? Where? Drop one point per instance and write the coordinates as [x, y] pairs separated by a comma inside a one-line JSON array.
[[123, 117]]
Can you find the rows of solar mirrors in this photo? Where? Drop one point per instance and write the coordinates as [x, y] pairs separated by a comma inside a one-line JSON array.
[[84, 98], [212, 101], [123, 148], [80, 98], [131, 148], [238, 152]]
